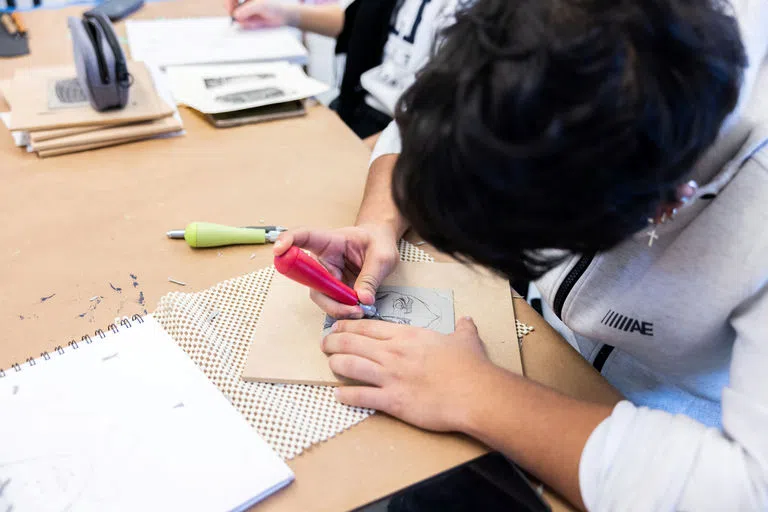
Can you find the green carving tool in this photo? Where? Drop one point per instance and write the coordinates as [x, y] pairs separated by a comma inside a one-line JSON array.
[[207, 234]]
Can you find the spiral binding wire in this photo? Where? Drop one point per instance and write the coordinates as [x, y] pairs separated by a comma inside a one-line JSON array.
[[73, 344]]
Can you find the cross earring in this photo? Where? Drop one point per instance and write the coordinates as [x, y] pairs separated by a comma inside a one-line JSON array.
[[665, 216], [668, 210], [651, 233]]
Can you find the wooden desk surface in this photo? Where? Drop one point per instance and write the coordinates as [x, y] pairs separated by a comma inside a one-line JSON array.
[[84, 225]]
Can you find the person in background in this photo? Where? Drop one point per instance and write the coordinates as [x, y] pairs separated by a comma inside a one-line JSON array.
[[385, 41], [612, 151]]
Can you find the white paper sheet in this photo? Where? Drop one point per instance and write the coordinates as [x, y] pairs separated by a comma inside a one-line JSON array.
[[164, 91], [211, 40], [128, 422], [231, 87], [20, 138]]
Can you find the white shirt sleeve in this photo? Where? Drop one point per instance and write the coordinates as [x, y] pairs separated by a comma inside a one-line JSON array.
[[641, 459], [388, 143]]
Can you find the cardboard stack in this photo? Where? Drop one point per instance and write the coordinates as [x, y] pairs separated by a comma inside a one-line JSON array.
[[51, 116]]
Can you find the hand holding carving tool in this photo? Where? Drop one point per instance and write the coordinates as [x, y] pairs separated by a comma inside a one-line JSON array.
[[206, 234], [302, 268]]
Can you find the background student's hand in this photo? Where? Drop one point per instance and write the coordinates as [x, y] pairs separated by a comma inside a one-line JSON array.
[[363, 255], [425, 378], [262, 14]]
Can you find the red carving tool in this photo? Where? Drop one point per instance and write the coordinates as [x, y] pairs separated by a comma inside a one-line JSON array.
[[302, 268]]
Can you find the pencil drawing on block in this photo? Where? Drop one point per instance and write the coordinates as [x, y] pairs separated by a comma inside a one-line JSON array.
[[431, 308]]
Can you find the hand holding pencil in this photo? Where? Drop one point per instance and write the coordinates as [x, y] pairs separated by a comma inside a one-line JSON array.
[[256, 14]]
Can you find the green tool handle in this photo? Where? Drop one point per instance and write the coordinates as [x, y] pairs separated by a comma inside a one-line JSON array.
[[207, 234]]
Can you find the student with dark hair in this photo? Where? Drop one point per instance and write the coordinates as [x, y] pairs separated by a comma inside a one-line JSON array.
[[600, 146], [385, 43]]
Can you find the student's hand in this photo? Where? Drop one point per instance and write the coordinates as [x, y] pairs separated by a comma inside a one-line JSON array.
[[363, 255], [262, 14], [428, 379]]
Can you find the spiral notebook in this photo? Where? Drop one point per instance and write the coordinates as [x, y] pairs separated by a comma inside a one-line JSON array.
[[123, 420]]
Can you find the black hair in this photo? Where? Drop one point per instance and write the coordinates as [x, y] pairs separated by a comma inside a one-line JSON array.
[[560, 124]]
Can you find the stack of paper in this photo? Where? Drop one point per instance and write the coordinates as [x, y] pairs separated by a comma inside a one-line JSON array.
[[230, 74], [250, 88], [50, 114]]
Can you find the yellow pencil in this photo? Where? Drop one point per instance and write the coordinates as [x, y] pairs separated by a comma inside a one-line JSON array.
[[19, 23], [9, 25]]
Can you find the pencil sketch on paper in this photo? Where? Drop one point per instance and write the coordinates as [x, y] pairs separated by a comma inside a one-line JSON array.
[[251, 96], [45, 481], [220, 81], [430, 308]]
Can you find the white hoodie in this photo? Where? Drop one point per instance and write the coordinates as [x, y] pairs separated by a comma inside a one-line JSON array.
[[689, 320], [688, 317]]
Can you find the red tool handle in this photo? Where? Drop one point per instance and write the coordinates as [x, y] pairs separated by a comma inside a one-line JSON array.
[[302, 268]]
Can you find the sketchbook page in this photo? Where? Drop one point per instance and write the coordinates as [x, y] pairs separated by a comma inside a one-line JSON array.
[[286, 342], [128, 422], [210, 40], [229, 88]]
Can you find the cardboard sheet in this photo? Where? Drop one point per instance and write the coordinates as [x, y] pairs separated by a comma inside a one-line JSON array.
[[43, 135], [63, 141], [286, 346], [38, 136], [37, 105], [118, 133], [89, 146]]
